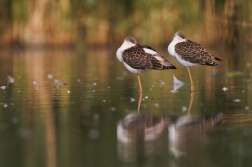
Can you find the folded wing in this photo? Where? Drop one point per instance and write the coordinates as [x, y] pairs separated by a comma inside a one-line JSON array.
[[145, 58], [195, 53]]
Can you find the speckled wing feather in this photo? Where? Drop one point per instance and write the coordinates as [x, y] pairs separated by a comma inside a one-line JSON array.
[[156, 64], [137, 58], [195, 53]]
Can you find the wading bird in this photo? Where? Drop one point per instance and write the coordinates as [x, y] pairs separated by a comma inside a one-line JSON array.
[[140, 58], [190, 54]]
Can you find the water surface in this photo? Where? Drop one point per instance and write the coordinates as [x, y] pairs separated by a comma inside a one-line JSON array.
[[80, 108]]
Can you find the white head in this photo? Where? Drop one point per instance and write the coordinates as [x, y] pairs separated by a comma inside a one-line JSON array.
[[128, 42], [179, 36]]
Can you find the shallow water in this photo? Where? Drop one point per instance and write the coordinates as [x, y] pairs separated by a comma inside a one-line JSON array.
[[79, 108]]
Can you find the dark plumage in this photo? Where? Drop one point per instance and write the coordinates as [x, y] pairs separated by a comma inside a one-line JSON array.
[[140, 58], [190, 54], [137, 58], [195, 53]]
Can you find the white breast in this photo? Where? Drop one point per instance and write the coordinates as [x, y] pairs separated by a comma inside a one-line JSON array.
[[119, 54], [184, 62], [123, 47], [171, 48], [172, 52], [136, 71]]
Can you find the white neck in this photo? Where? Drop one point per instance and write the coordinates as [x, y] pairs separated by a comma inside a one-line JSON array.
[[171, 47], [124, 46]]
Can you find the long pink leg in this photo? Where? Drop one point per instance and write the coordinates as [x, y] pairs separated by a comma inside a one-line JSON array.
[[192, 86], [139, 83]]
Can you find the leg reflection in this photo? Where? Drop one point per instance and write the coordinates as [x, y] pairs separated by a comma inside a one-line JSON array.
[[140, 134], [139, 102], [190, 104]]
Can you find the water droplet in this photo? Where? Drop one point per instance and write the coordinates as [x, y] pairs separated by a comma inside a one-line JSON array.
[[10, 79], [96, 116], [131, 99], [176, 84], [162, 83], [5, 105], [93, 134], [3, 87], [49, 76], [184, 108], [113, 108], [237, 100]]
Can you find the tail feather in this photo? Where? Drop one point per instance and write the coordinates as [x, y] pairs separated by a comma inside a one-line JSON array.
[[162, 66], [169, 67], [160, 63], [218, 59], [212, 62]]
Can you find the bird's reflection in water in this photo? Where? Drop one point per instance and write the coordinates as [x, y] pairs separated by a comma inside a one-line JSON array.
[[145, 136], [188, 132], [139, 135]]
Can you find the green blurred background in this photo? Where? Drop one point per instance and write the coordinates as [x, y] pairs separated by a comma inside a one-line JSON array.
[[41, 124], [105, 22]]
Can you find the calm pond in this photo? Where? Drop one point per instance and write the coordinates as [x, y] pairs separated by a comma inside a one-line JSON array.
[[80, 108]]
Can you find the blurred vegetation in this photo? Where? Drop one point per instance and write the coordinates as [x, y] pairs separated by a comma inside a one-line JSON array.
[[104, 22], [42, 123]]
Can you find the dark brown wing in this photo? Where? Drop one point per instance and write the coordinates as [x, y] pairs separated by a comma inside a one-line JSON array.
[[195, 53], [158, 64], [137, 58]]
